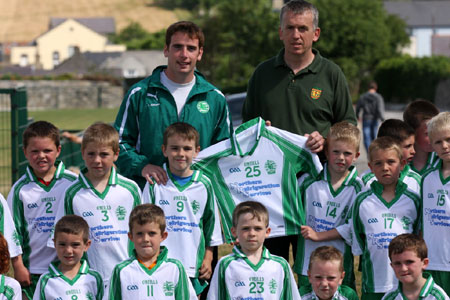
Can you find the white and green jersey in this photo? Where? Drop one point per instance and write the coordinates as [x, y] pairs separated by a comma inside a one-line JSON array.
[[432, 162], [343, 292], [9, 288], [8, 229], [86, 285], [34, 207], [430, 291], [236, 277], [167, 280], [375, 223], [192, 218], [107, 215], [435, 216], [407, 175], [326, 209], [260, 163]]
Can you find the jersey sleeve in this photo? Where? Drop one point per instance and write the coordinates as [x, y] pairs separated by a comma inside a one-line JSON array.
[[212, 229], [224, 127], [39, 292], [115, 289], [8, 229], [130, 162], [148, 194], [295, 295], [213, 293], [16, 209], [184, 289]]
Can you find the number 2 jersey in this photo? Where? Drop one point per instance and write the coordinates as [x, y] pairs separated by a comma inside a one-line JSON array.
[[107, 215], [236, 277], [375, 223], [436, 218], [260, 163], [34, 207]]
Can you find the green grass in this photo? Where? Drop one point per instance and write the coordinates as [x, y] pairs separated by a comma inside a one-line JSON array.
[[75, 119]]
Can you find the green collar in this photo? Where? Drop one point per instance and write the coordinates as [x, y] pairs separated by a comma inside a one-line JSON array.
[[162, 257], [265, 255], [313, 67], [260, 126], [426, 289], [55, 272], [195, 177], [378, 191], [113, 179], [349, 179], [29, 173]]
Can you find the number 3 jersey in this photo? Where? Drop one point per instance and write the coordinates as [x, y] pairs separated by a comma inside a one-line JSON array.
[[107, 215], [192, 218], [260, 163], [436, 218], [34, 207], [375, 223], [236, 277]]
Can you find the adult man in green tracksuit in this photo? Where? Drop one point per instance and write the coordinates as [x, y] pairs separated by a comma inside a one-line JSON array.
[[173, 93]]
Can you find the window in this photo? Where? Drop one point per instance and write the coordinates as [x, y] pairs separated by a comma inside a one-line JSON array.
[[55, 58], [71, 50], [23, 60]]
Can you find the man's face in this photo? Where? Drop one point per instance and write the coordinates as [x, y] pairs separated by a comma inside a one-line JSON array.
[[297, 33], [182, 56]]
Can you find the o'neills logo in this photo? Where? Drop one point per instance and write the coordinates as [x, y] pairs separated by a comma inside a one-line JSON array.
[[315, 93]]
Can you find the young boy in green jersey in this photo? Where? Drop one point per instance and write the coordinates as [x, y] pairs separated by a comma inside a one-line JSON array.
[[328, 197], [149, 273], [409, 259], [251, 272], [436, 202], [33, 201], [379, 214], [417, 114], [325, 274], [405, 136], [188, 195], [70, 277], [104, 199]]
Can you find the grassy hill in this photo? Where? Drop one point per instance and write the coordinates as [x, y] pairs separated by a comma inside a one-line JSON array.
[[24, 20]]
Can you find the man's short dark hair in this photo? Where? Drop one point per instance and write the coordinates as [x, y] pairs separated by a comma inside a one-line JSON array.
[[190, 28], [41, 129], [72, 224], [417, 111], [300, 7]]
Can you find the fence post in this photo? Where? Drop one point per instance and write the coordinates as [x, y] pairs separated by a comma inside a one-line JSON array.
[[19, 121]]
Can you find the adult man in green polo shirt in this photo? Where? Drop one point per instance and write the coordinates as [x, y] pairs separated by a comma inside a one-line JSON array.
[[298, 90]]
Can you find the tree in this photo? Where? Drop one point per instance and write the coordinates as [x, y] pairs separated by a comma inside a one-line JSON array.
[[239, 35], [358, 34], [135, 37]]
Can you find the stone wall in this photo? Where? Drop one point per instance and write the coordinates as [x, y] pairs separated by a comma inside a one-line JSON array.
[[60, 94]]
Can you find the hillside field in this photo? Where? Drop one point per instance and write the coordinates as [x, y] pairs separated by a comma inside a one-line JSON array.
[[24, 20]]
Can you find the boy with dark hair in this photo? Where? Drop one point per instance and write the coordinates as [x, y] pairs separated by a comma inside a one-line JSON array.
[[409, 259], [379, 214], [33, 201], [436, 202], [70, 276], [405, 136], [149, 273], [327, 198], [417, 114], [188, 195], [325, 274], [104, 198], [251, 270]]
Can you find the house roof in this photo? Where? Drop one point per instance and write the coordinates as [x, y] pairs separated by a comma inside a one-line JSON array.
[[421, 13], [149, 59], [104, 25]]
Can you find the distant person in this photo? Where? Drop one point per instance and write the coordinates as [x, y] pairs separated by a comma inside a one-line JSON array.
[[298, 90], [372, 106], [173, 93]]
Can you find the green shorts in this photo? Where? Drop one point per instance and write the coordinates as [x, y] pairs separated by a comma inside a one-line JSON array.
[[372, 296], [442, 279], [29, 290], [198, 284]]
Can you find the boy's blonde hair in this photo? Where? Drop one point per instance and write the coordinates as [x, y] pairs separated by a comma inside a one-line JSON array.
[[41, 129], [185, 130], [345, 132], [439, 123], [256, 209], [102, 134], [72, 224], [385, 143], [147, 213], [408, 241], [327, 253]]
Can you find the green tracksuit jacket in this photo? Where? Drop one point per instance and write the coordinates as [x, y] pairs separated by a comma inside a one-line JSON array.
[[148, 108]]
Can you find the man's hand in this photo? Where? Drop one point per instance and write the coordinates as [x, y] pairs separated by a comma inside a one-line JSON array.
[[205, 271], [315, 142], [21, 273], [153, 172], [308, 233]]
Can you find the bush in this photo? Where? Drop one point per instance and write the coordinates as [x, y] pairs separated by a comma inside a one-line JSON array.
[[406, 78]]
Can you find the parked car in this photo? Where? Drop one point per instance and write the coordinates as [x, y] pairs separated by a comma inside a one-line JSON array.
[[235, 103]]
